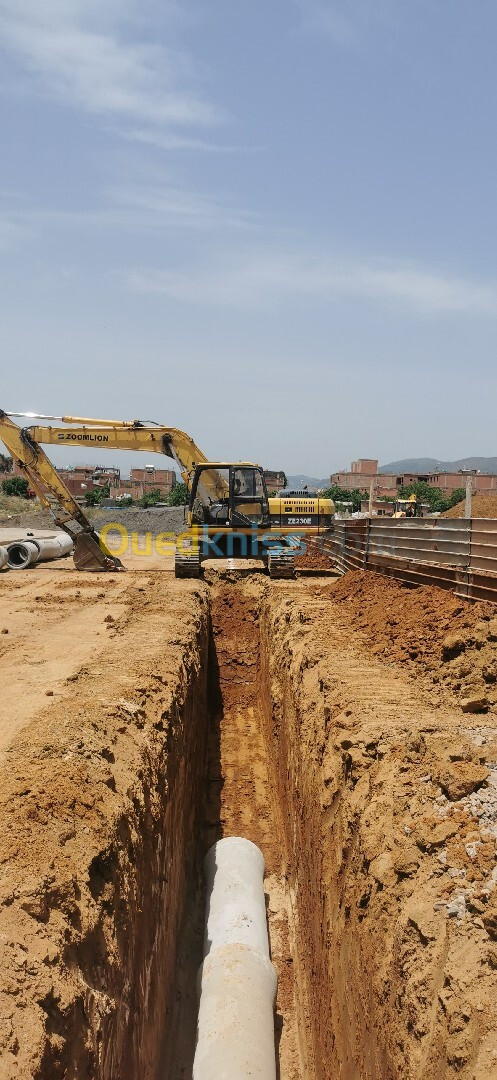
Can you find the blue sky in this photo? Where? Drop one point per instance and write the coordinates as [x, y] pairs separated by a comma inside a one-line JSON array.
[[272, 225]]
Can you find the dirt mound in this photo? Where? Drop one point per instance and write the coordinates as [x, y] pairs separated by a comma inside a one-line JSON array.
[[137, 520], [482, 506], [141, 521], [313, 560], [452, 642]]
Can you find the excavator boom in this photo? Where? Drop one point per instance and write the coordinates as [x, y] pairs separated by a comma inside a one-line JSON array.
[[89, 553]]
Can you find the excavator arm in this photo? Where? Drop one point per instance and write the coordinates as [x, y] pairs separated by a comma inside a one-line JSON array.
[[134, 435], [89, 554], [24, 445]]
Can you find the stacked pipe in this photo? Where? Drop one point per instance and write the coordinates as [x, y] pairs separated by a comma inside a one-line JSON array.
[[23, 553], [237, 981]]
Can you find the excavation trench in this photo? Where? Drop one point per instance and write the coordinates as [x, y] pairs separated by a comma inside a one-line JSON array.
[[237, 800], [246, 712]]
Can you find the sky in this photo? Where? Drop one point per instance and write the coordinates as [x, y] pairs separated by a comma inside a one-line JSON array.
[[270, 224]]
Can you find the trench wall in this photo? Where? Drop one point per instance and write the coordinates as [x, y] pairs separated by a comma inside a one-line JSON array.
[[389, 986], [100, 807], [336, 1012]]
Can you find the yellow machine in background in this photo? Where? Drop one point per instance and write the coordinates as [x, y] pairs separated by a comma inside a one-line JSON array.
[[229, 512], [407, 508]]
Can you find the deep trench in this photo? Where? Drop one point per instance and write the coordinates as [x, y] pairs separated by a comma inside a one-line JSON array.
[[237, 799]]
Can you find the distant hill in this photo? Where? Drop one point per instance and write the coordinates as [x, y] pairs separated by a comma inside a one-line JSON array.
[[300, 481], [429, 465]]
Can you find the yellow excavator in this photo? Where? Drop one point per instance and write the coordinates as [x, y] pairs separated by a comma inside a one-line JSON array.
[[407, 508], [229, 512]]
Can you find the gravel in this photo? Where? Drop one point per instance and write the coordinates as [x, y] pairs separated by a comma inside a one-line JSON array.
[[153, 520]]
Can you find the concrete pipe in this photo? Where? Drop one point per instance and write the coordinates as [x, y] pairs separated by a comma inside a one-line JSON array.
[[4, 557], [53, 547], [25, 553], [236, 908], [237, 981], [22, 553], [235, 1032]]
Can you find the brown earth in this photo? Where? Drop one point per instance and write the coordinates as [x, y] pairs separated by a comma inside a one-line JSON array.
[[482, 506], [427, 630], [145, 717], [390, 837]]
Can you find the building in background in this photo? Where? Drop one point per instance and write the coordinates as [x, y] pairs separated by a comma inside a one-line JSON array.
[[386, 485], [275, 481], [84, 478], [143, 481]]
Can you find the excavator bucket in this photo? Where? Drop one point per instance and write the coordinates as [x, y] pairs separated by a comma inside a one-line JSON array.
[[90, 555]]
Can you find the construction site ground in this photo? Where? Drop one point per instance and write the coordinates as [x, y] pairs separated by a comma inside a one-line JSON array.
[[346, 725]]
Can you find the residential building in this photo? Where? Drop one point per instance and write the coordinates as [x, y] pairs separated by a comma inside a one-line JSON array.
[[365, 470]]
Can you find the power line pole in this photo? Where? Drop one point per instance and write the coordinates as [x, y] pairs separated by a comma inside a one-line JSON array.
[[469, 474]]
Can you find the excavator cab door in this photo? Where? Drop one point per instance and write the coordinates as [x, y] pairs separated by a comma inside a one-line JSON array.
[[249, 500], [210, 496]]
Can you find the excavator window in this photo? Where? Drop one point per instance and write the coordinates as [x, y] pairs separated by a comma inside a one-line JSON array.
[[210, 496], [249, 498], [235, 496]]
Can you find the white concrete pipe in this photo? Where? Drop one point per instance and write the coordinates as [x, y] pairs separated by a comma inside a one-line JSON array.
[[237, 981], [24, 553], [53, 547], [4, 557]]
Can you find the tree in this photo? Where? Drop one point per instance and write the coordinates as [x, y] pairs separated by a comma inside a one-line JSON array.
[[179, 495], [425, 493], [5, 463], [342, 495], [96, 494], [151, 498], [16, 485], [457, 496]]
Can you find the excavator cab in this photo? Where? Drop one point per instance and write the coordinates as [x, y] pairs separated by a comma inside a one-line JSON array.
[[229, 496], [407, 508]]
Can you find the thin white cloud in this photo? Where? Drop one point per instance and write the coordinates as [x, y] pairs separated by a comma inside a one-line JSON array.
[[346, 21], [85, 55], [15, 232], [146, 209], [172, 207], [265, 279], [171, 141]]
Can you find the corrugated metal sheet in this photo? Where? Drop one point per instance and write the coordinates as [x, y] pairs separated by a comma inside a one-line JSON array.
[[450, 553]]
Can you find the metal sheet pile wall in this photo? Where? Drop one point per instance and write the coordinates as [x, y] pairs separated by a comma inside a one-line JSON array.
[[453, 553]]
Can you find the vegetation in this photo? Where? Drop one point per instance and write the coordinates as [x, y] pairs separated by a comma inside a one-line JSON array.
[[423, 491], [95, 496], [5, 463], [151, 498], [342, 495], [435, 499], [16, 485], [179, 495]]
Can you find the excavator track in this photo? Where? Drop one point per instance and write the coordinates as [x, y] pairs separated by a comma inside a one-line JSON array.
[[281, 564], [187, 566]]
